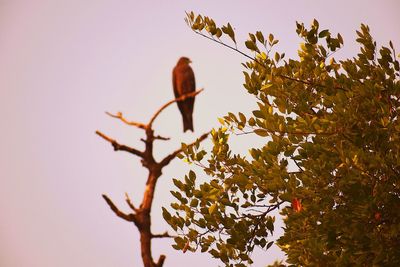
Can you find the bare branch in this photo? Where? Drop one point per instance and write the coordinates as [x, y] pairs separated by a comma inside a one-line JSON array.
[[171, 156], [128, 217], [132, 123], [141, 216], [158, 137], [117, 146], [181, 98], [129, 202], [161, 260], [162, 235]]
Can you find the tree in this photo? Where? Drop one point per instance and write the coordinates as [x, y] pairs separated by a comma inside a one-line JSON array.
[[141, 216], [330, 163]]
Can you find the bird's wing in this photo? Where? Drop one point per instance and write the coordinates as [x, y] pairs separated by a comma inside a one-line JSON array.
[[183, 80], [188, 83], [176, 82]]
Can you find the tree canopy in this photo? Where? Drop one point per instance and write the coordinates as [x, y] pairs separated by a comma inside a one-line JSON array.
[[330, 164]]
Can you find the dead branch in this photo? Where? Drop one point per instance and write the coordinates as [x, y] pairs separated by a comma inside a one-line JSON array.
[[151, 137], [181, 98], [117, 146], [127, 217], [171, 156], [131, 123], [162, 235], [161, 260], [158, 137], [142, 215], [129, 202]]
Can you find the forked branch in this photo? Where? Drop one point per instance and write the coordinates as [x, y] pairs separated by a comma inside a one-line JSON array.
[[142, 215], [129, 202], [122, 118], [118, 147], [127, 217]]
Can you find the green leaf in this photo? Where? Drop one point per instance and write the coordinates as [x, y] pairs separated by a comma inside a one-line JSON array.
[[251, 45], [270, 38], [260, 37], [192, 175], [242, 117], [315, 24], [323, 33], [266, 86], [178, 184], [229, 30], [270, 225], [194, 202], [340, 38], [261, 132], [277, 57], [252, 121], [166, 214], [258, 114], [212, 208], [218, 33]]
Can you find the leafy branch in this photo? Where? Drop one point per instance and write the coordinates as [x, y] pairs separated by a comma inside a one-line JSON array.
[[198, 23]]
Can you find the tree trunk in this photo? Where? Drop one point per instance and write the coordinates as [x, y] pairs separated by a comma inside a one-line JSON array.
[[144, 216], [145, 241]]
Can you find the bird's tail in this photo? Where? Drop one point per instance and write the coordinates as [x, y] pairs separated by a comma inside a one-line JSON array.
[[188, 123]]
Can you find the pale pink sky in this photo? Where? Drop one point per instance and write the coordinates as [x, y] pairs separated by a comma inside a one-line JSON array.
[[64, 62]]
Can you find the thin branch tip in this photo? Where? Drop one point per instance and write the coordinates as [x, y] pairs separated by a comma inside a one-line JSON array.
[[163, 235], [129, 202], [127, 217], [121, 117], [119, 147], [181, 98]]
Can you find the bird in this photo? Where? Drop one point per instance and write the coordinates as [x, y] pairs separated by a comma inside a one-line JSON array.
[[183, 82]]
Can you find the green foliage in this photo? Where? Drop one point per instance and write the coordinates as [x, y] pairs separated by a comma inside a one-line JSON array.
[[332, 150]]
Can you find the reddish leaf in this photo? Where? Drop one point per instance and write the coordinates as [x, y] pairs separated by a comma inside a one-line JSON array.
[[296, 205], [378, 216]]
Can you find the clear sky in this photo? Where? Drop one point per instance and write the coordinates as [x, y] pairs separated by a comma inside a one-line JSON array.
[[64, 62]]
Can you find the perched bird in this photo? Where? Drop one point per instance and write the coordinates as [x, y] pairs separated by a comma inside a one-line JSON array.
[[184, 83]]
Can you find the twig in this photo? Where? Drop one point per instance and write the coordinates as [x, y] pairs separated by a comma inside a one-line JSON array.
[[162, 235], [262, 65], [128, 217], [181, 98], [287, 132], [129, 202], [117, 146], [132, 123], [301, 170], [158, 137]]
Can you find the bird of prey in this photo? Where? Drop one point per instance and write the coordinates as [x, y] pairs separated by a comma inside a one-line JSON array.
[[184, 83]]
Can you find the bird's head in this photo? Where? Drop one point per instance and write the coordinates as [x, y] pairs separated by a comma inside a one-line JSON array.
[[184, 60]]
